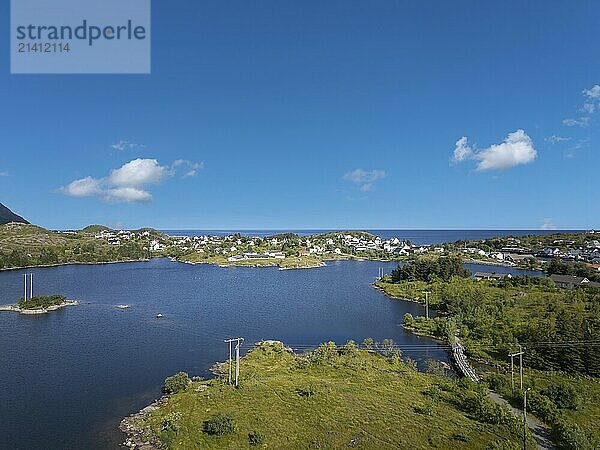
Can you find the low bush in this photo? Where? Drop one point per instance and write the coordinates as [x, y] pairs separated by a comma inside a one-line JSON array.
[[176, 383], [569, 436], [563, 395], [255, 438], [219, 425]]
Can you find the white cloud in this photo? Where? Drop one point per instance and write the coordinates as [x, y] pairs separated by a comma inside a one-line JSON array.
[[557, 139], [593, 92], [126, 145], [548, 224], [581, 122], [3, 174], [365, 179], [84, 187], [588, 107], [191, 168], [126, 195], [516, 149], [128, 183], [462, 150], [138, 172]]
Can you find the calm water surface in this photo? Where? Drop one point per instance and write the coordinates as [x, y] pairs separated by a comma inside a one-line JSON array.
[[69, 377]]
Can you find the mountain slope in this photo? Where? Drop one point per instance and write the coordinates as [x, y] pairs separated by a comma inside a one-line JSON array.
[[6, 216]]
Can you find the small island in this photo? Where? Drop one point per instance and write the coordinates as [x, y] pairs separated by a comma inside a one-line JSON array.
[[41, 304]]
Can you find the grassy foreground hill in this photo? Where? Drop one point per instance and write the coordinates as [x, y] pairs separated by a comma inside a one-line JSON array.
[[333, 397]]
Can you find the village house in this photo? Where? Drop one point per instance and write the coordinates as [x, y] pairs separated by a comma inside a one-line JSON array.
[[491, 276], [572, 282]]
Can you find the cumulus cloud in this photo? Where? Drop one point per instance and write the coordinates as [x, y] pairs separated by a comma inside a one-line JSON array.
[[462, 150], [84, 187], [126, 195], [138, 172], [548, 224], [516, 149], [128, 183], [364, 179]]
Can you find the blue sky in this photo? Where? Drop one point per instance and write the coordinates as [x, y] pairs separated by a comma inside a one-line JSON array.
[[338, 114]]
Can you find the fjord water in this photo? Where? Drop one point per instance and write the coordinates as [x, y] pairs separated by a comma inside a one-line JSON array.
[[69, 377]]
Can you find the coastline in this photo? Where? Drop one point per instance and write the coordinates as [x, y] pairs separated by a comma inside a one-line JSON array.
[[15, 308], [74, 263], [142, 438]]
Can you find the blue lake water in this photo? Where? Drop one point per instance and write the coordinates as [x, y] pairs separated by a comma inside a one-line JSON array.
[[69, 377]]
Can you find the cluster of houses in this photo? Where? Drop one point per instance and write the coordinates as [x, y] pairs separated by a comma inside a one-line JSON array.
[[117, 237], [393, 246], [560, 281], [254, 255], [563, 249]]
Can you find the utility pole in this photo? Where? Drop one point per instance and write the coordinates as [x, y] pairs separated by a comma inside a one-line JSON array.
[[427, 304], [525, 419], [238, 342], [237, 363], [229, 378], [30, 286], [521, 365], [512, 368], [25, 287]]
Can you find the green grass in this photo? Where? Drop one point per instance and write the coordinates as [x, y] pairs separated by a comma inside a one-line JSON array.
[[41, 302], [335, 400]]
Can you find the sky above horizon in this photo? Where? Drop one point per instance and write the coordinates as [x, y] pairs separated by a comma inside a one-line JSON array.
[[312, 115]]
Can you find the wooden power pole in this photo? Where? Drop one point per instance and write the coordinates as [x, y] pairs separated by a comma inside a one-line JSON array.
[[238, 342]]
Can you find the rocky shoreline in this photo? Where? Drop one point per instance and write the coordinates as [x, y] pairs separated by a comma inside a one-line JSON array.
[[15, 308], [142, 438]]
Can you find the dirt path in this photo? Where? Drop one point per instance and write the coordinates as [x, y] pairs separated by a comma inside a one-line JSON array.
[[541, 433]]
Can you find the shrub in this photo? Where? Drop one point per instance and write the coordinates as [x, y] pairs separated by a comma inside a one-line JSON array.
[[219, 425], [176, 383], [435, 367], [326, 352], [307, 391], [408, 320], [255, 438], [426, 407], [564, 395], [542, 406], [169, 422], [349, 348], [569, 436]]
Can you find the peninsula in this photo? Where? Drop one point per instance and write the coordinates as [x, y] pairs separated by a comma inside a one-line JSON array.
[[332, 397]]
